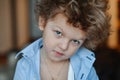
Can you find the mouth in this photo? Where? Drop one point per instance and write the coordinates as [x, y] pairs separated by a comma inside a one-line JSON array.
[[57, 53]]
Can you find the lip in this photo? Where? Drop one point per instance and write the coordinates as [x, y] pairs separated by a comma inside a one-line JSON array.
[[57, 53]]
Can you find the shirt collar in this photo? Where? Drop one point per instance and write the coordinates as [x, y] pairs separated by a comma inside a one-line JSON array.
[[82, 62], [30, 50]]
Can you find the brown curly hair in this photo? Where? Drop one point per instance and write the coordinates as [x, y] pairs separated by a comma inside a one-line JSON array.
[[91, 14]]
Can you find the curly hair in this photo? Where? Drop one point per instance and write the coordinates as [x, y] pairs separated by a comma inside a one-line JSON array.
[[91, 14]]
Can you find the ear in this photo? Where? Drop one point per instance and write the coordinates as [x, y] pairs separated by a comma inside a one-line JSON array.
[[41, 23]]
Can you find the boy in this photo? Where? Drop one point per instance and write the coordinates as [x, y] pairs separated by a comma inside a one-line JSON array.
[[70, 29]]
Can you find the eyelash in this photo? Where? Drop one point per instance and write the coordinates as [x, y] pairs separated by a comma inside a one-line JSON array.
[[58, 33], [76, 42]]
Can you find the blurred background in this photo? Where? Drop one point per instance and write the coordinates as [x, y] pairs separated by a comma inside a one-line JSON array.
[[18, 28]]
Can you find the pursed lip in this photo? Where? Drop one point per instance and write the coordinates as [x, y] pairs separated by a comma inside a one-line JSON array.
[[58, 53]]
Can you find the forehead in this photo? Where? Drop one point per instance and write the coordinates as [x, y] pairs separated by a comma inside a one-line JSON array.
[[60, 22]]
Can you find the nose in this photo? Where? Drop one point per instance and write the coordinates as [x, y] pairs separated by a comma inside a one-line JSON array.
[[64, 44]]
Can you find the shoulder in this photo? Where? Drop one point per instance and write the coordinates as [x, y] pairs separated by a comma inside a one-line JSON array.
[[82, 64], [22, 69], [83, 55], [26, 56], [27, 59], [30, 50], [92, 75]]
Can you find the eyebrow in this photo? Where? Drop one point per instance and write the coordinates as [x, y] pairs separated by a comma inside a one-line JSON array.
[[57, 26], [80, 39]]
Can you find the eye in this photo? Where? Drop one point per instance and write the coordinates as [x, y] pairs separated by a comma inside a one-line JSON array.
[[76, 42], [58, 33]]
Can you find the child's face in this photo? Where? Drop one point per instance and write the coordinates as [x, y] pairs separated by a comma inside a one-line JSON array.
[[60, 39]]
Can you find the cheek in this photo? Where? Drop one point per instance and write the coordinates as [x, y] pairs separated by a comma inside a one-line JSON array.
[[49, 42], [72, 50]]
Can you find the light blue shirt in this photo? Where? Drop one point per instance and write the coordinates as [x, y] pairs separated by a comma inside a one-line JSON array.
[[28, 66]]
